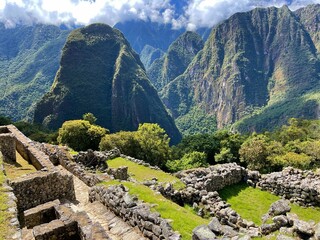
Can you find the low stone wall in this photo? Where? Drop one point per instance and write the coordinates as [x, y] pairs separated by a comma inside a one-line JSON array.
[[7, 145], [213, 178], [134, 212], [60, 155], [40, 187], [302, 187], [27, 150], [140, 162]]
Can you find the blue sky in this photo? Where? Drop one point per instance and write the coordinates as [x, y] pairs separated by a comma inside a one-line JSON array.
[[180, 13]]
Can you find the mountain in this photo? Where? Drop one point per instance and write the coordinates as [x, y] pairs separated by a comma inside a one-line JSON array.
[[149, 54], [309, 16], [29, 60], [140, 33], [260, 67], [100, 73], [176, 60]]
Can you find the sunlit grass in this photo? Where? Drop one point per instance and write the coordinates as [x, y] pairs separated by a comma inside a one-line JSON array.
[[142, 173], [19, 168], [252, 203], [184, 220]]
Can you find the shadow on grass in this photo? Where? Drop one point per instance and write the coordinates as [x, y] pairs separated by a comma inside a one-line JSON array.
[[232, 190]]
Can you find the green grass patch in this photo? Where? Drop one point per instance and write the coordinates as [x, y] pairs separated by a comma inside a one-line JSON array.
[[184, 220], [142, 173], [253, 203]]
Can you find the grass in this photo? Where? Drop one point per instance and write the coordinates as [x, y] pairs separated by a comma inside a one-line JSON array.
[[252, 203], [5, 229], [21, 167], [142, 173], [184, 220]]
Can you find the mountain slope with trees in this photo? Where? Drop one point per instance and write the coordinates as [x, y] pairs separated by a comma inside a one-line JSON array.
[[101, 74], [29, 60], [176, 60], [260, 67]]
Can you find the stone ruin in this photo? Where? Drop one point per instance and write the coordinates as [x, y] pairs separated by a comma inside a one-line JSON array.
[[41, 202]]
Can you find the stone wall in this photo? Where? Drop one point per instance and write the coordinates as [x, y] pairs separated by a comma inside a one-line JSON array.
[[7, 145], [140, 162], [41, 187], [213, 178], [134, 212], [28, 151], [11, 204], [60, 155], [302, 187]]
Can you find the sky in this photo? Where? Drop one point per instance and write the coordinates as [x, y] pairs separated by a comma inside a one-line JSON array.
[[190, 14]]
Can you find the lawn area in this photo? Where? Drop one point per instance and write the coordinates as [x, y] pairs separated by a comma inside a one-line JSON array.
[[252, 203], [21, 167], [184, 219], [5, 230], [142, 173]]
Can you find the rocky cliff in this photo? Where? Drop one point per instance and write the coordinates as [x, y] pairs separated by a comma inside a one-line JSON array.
[[259, 66]]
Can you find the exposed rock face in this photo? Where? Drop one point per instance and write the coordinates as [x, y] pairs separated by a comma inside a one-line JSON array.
[[101, 74], [262, 59], [176, 60]]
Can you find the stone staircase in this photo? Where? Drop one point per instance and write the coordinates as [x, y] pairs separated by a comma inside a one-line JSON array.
[[114, 226]]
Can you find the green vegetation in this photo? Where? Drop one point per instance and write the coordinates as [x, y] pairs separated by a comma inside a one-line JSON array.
[[252, 203], [5, 230], [81, 135], [142, 173], [232, 81], [149, 143], [183, 219], [19, 168], [29, 61], [100, 73], [296, 144], [176, 60], [189, 160], [196, 121]]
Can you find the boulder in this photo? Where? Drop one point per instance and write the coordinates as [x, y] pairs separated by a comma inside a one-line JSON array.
[[279, 207], [202, 232], [302, 227], [317, 232], [215, 226]]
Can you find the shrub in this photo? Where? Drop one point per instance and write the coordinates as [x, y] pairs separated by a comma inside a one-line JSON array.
[[81, 135], [296, 160], [149, 143], [188, 161]]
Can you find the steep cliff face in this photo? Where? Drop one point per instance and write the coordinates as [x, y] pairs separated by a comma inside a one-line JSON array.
[[176, 60], [309, 16], [250, 64], [149, 54], [101, 74], [29, 60]]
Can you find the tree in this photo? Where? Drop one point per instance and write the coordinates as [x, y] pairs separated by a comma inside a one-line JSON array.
[[126, 142], [188, 161], [254, 152], [81, 135], [90, 118], [154, 143]]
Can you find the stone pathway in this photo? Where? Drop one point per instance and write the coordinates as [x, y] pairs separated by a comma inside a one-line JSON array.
[[114, 226]]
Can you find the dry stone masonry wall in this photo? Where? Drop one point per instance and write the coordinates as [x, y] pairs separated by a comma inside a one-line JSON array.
[[118, 199], [302, 187], [41, 187], [7, 145]]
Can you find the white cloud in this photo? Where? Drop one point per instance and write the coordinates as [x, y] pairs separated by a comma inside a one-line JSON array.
[[196, 13]]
